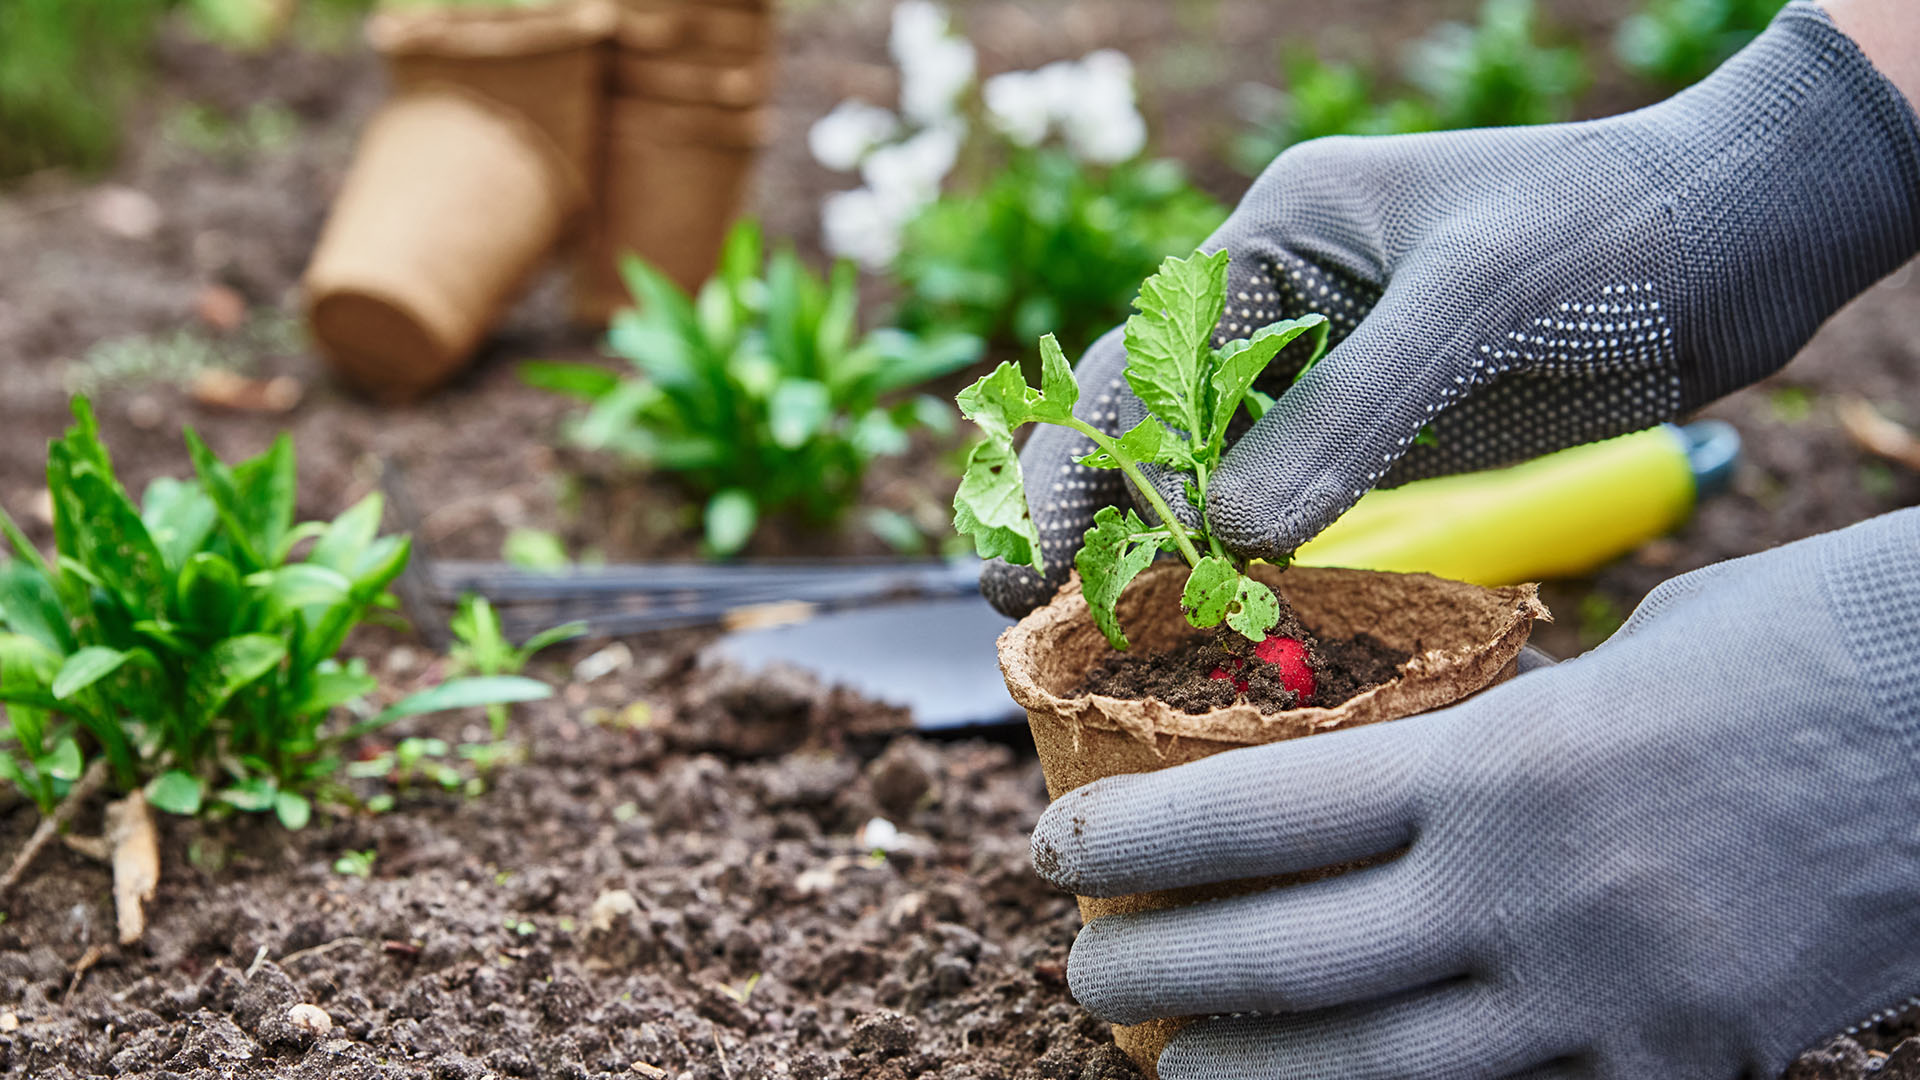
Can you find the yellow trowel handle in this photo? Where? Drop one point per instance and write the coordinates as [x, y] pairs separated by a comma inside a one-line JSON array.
[[1560, 515]]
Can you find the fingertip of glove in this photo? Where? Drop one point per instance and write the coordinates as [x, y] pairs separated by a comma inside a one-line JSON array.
[[1014, 591], [1052, 847], [1256, 518]]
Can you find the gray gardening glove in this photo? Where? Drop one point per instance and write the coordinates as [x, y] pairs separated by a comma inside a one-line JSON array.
[[1519, 290], [1687, 854]]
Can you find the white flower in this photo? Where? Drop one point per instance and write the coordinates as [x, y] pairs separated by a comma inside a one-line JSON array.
[[1098, 115], [909, 172], [1017, 103], [1106, 137], [842, 137], [935, 65], [862, 226], [880, 834]]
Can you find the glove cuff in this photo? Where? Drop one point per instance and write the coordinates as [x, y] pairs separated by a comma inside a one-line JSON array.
[[1793, 180]]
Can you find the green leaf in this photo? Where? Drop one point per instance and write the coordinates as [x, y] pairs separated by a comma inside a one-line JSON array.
[[230, 665], [64, 763], [294, 811], [1149, 441], [797, 411], [333, 686], [1001, 400], [254, 794], [991, 506], [208, 594], [175, 792], [731, 517], [589, 382], [179, 516], [254, 498], [1216, 591], [29, 606], [302, 585], [551, 636], [1257, 612], [1058, 391], [1116, 549], [1257, 403], [86, 667], [345, 541], [1241, 361], [459, 694], [1171, 336]]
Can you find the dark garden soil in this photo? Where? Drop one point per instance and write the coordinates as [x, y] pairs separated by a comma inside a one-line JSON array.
[[689, 886], [1215, 668]]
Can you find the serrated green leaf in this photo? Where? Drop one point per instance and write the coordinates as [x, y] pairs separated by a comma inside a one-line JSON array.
[[991, 506], [1217, 592], [175, 792], [86, 667], [1116, 549], [1148, 442], [1171, 337], [1058, 390], [1240, 361]]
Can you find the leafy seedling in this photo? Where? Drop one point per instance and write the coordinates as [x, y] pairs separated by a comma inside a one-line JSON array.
[[356, 863], [482, 648], [1191, 390]]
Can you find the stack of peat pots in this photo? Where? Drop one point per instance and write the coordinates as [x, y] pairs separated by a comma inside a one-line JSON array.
[[597, 126], [685, 116]]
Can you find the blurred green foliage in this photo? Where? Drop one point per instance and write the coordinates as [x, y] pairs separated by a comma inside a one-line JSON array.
[[182, 640], [759, 395], [1493, 73], [1676, 42], [1048, 243], [67, 67]]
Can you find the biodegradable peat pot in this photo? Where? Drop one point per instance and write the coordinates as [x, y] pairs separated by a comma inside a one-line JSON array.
[[698, 77], [1463, 638], [451, 201], [675, 177], [547, 62]]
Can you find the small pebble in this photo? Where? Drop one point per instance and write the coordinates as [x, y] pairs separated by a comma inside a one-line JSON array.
[[310, 1018], [9, 1022], [651, 1072]]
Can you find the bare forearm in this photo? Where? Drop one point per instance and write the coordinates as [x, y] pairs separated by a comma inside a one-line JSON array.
[[1888, 31]]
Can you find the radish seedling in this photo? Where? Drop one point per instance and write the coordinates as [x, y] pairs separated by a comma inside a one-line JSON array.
[[1191, 390], [481, 647]]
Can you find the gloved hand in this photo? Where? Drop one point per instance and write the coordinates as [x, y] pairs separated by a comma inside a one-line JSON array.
[[1687, 854], [1520, 290]]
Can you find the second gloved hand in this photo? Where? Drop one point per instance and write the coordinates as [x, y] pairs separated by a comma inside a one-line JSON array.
[[1688, 854]]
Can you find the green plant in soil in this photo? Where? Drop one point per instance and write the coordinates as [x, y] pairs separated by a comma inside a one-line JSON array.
[[1192, 391], [759, 395], [481, 648], [1047, 243], [1678, 42], [183, 641]]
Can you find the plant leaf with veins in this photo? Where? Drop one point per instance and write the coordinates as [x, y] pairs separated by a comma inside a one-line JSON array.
[[1169, 340], [1116, 549]]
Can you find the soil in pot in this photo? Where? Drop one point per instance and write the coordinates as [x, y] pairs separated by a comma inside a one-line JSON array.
[[1216, 668]]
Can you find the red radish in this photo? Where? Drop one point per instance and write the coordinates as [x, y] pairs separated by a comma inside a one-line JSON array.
[[1290, 657], [1221, 673]]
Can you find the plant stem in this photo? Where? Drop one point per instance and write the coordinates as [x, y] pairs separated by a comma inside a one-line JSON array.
[[1147, 490]]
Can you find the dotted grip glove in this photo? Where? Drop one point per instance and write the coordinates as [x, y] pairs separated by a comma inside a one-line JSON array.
[[1519, 290], [1687, 854]]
